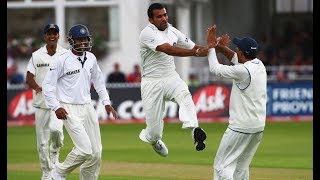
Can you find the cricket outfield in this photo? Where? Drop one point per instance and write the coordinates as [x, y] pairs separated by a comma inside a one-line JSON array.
[[284, 153]]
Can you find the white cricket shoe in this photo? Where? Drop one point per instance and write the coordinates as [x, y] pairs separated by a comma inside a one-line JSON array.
[[160, 148], [56, 175]]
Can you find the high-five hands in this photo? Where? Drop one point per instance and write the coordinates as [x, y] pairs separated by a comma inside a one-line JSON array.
[[224, 40], [211, 37]]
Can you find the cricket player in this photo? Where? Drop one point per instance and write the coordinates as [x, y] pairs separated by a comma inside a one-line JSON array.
[[66, 88], [48, 127], [159, 42], [247, 105]]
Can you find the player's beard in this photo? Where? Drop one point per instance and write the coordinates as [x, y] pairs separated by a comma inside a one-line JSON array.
[[82, 47], [163, 25]]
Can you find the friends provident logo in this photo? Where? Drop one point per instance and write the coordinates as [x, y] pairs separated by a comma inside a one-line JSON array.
[[212, 101]]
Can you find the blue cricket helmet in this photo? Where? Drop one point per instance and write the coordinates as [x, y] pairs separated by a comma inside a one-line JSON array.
[[79, 31]]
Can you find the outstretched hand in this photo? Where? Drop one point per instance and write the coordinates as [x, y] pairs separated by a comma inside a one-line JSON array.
[[110, 109], [211, 37], [224, 40]]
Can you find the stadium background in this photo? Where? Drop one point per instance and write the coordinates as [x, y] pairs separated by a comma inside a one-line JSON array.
[[115, 26]]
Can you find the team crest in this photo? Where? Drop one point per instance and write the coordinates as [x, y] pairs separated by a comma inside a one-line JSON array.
[[82, 31]]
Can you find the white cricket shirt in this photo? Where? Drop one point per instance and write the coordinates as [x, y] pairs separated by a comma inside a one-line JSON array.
[[38, 65], [248, 99], [72, 81], [156, 64]]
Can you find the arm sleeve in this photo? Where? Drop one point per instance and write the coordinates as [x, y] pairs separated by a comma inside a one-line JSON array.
[[236, 72], [234, 59], [31, 68], [99, 84], [151, 39], [183, 40], [49, 85]]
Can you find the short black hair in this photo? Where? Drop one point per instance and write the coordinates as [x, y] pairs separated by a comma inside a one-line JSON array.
[[152, 7], [250, 56]]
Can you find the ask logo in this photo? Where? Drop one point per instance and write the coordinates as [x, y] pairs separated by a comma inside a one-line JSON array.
[[212, 101]]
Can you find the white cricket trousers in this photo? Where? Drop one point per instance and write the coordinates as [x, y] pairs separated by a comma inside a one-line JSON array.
[[48, 127], [154, 93], [235, 154], [83, 128]]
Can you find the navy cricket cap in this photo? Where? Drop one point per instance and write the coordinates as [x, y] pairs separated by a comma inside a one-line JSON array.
[[247, 45], [50, 26]]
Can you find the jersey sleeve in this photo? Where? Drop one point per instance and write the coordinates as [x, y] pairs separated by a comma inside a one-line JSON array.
[[183, 40], [31, 67], [234, 59], [151, 39], [50, 82], [237, 72], [99, 84]]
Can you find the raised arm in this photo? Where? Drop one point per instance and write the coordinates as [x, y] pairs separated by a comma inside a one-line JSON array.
[[223, 48], [177, 51], [237, 72]]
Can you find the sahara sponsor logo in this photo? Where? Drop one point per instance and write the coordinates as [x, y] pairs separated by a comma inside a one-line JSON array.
[[20, 107], [212, 101]]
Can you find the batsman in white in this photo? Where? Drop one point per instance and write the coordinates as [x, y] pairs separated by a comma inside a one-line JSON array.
[[48, 127], [159, 42], [66, 88], [247, 105]]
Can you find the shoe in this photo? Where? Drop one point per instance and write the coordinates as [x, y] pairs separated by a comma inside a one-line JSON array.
[[57, 176], [160, 148], [46, 176], [199, 136]]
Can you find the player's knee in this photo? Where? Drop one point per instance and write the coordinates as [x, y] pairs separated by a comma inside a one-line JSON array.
[[85, 152], [183, 97], [43, 146], [96, 157], [56, 137]]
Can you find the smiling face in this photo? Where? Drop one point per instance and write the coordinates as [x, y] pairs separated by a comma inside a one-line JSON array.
[[51, 37], [159, 19]]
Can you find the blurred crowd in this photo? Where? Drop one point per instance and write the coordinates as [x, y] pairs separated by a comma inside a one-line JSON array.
[[117, 76], [293, 47]]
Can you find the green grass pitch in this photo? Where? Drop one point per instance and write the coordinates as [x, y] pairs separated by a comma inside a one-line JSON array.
[[284, 153]]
